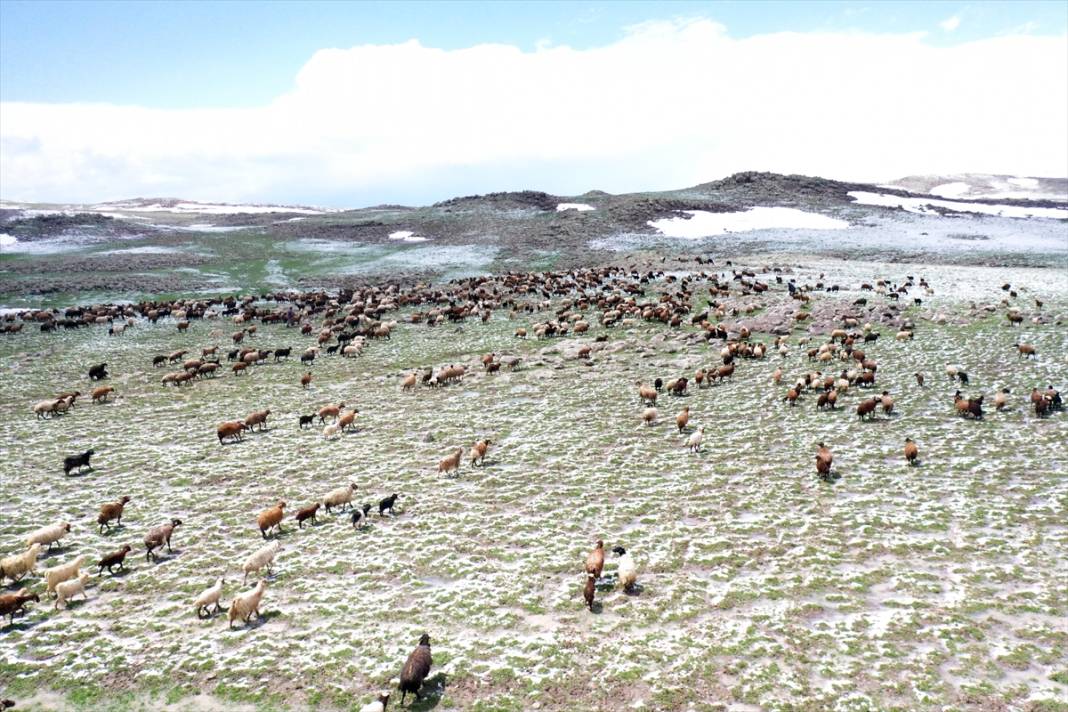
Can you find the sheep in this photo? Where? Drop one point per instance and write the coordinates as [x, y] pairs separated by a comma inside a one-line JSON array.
[[359, 516], [49, 535], [1001, 399], [159, 536], [649, 416], [452, 462], [331, 411], [867, 408], [263, 557], [386, 504], [340, 497], [478, 452], [257, 417], [331, 431], [378, 705], [824, 458], [246, 604], [682, 419], [109, 511], [919, 379], [63, 572], [887, 402], [115, 558], [305, 420], [306, 380], [72, 462], [416, 669], [589, 590], [208, 598], [45, 407], [346, 419], [409, 382], [305, 514], [66, 590], [646, 394], [595, 560], [271, 517], [98, 372], [912, 452], [100, 395], [694, 441], [628, 570], [1026, 350], [231, 429], [11, 604], [18, 565]]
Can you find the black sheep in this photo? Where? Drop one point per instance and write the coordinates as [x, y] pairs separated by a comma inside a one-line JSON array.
[[387, 504], [116, 558], [306, 420], [282, 353], [72, 462], [98, 372], [359, 516]]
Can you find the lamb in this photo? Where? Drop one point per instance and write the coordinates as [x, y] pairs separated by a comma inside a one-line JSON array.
[[649, 416], [158, 536], [208, 598], [359, 516], [77, 462], [109, 511], [305, 514], [257, 417], [589, 590], [246, 604], [387, 504], [115, 558], [478, 452], [452, 462], [270, 517], [18, 565], [67, 590], [694, 441], [63, 572], [331, 431], [264, 557], [340, 497], [11, 604], [49, 535]]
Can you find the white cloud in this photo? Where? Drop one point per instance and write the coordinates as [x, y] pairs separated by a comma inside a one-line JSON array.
[[669, 104], [950, 23]]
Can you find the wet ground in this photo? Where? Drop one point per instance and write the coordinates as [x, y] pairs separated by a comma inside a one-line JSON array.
[[760, 587]]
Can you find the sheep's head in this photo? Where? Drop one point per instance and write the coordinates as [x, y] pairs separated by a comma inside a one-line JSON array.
[[65, 526], [176, 522], [124, 499], [127, 549], [619, 550]]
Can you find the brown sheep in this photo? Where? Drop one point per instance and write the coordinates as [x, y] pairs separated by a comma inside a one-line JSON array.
[[347, 419], [867, 408], [824, 458], [257, 417], [100, 395], [271, 517], [682, 419], [887, 402], [478, 451], [452, 462], [1026, 350], [409, 381], [239, 367], [306, 514], [595, 560], [306, 380], [11, 604], [109, 511], [331, 411], [589, 590], [646, 394], [231, 429], [912, 453]]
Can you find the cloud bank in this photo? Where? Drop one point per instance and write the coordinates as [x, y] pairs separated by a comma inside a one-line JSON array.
[[669, 104]]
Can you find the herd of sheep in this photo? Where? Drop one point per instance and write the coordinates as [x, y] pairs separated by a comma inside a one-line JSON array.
[[347, 323]]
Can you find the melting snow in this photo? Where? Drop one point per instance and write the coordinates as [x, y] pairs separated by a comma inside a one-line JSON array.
[[926, 205], [406, 236], [703, 223], [581, 207]]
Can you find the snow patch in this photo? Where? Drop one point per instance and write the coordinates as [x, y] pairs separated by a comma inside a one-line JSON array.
[[7, 240], [704, 224], [926, 206], [406, 236], [951, 190], [581, 207], [209, 208]]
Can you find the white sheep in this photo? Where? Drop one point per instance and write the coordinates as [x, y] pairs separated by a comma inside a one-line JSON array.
[[340, 497], [245, 604], [694, 441], [66, 590], [63, 572], [17, 566], [331, 431], [263, 557], [209, 597], [49, 535], [43, 408], [378, 705]]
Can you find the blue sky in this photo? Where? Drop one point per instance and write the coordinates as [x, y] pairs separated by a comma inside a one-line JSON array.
[[193, 54], [348, 104]]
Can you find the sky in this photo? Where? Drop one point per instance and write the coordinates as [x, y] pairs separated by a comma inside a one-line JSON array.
[[349, 104]]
